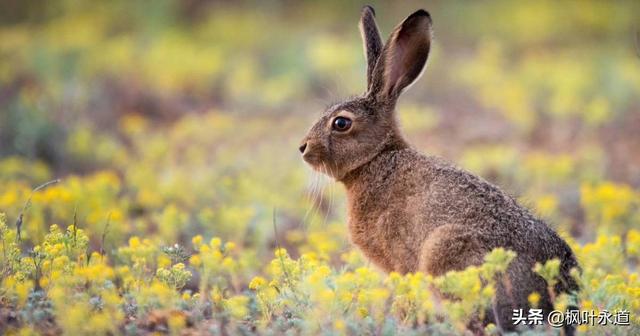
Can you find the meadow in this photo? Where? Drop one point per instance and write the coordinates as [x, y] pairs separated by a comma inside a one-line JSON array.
[[150, 181]]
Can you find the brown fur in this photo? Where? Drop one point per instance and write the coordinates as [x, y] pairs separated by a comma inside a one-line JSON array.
[[411, 212]]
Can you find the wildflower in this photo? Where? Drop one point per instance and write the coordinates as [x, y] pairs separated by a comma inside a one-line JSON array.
[[491, 329], [229, 246], [21, 289], [216, 295], [534, 299], [195, 260], [633, 243], [196, 241], [175, 277], [134, 242], [215, 243], [547, 204], [204, 249], [176, 322], [609, 205], [549, 270], [237, 306], [100, 322], [280, 253], [339, 325], [164, 261], [257, 283], [228, 263], [319, 274], [44, 282], [497, 261]]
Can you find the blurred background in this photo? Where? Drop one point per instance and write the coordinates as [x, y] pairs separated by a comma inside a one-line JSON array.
[[175, 118]]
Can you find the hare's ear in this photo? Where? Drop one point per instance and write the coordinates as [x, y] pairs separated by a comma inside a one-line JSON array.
[[403, 57], [371, 40]]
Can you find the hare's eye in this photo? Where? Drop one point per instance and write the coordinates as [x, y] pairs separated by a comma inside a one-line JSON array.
[[341, 124]]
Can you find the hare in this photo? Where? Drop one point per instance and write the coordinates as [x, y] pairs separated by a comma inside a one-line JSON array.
[[409, 212]]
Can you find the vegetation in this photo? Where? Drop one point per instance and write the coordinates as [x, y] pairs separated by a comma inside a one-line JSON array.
[[182, 205]]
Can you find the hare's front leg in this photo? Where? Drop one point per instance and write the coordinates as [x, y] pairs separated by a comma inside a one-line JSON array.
[[450, 248]]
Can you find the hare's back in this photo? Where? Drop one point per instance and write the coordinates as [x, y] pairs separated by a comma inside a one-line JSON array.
[[459, 197]]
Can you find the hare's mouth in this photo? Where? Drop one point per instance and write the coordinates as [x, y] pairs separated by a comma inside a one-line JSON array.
[[316, 156], [312, 160], [317, 164]]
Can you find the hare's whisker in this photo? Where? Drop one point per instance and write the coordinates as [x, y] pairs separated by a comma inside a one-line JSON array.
[[331, 191], [308, 196], [312, 195], [322, 189]]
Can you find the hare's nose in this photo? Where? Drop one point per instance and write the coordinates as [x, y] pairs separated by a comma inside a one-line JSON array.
[[303, 147]]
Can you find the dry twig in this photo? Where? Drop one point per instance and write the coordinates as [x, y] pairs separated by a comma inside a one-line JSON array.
[[28, 204]]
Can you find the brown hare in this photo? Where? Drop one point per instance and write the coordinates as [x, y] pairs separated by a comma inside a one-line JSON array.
[[411, 212]]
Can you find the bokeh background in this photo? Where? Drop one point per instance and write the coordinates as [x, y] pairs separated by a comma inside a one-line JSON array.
[[198, 106], [169, 119]]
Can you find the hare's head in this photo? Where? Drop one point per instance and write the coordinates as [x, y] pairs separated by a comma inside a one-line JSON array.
[[351, 133]]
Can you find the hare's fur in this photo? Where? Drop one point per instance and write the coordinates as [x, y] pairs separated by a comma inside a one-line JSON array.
[[411, 212]]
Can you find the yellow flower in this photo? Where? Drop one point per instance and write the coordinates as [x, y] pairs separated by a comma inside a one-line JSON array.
[[176, 322], [547, 204], [134, 242], [633, 243], [228, 263], [100, 322], [257, 283], [549, 270], [132, 123], [164, 261], [326, 295], [216, 295], [339, 325], [237, 306], [215, 243], [280, 253], [204, 249], [44, 282], [55, 275], [229, 246], [196, 241], [534, 299], [23, 289], [394, 277], [26, 331], [195, 260]]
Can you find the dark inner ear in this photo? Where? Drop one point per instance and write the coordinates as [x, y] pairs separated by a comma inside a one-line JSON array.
[[404, 56], [371, 40]]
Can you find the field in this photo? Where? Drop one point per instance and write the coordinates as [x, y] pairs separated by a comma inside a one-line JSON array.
[[150, 180]]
